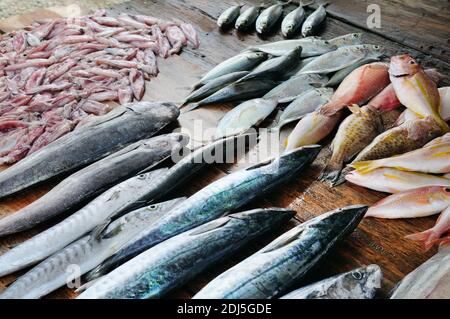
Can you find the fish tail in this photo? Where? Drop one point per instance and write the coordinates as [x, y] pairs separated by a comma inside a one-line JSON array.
[[191, 107], [442, 124], [428, 238], [331, 172], [365, 166]]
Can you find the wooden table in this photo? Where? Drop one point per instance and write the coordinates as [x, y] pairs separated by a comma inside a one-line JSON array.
[[418, 27]]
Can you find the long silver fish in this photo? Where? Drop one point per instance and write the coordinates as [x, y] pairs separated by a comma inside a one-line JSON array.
[[85, 253], [269, 17], [342, 58], [97, 139], [244, 61], [304, 104], [228, 17], [92, 180], [244, 116], [247, 18], [347, 40], [175, 261], [361, 283], [290, 89], [293, 21], [276, 268], [311, 46], [218, 198], [275, 68], [314, 21], [340, 75], [431, 280], [133, 193], [213, 86]]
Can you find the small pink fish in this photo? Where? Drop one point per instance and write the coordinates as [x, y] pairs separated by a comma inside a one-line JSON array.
[[137, 83], [30, 63], [104, 96], [127, 20], [60, 86], [190, 34], [418, 202], [437, 234], [35, 79]]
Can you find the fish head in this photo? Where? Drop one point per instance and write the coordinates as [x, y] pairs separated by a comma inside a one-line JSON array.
[[366, 280], [402, 65], [264, 217], [306, 30], [298, 157]]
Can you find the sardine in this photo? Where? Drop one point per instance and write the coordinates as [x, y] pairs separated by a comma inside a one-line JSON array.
[[220, 197], [432, 159], [417, 202], [392, 180], [275, 68], [247, 19], [86, 253], [244, 116], [430, 280], [415, 89], [89, 143], [305, 103], [228, 17], [245, 61], [290, 89], [342, 58], [340, 75], [311, 46], [347, 40], [361, 283], [269, 17], [213, 86], [314, 21], [278, 267], [92, 180], [175, 261], [133, 193], [293, 21], [354, 133], [238, 91]]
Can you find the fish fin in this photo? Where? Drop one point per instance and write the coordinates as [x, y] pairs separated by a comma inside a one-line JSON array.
[[191, 107], [264, 163], [94, 274], [447, 176], [330, 109], [281, 242], [217, 223], [149, 168], [428, 238], [98, 231], [354, 108], [331, 172], [87, 285], [365, 166], [342, 179]]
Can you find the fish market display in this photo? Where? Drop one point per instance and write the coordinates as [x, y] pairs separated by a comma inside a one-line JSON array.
[[87, 253], [93, 179], [238, 91], [269, 17], [175, 261], [392, 180], [293, 21], [247, 18], [295, 86], [415, 89], [222, 196], [244, 116], [56, 74], [342, 58], [311, 46], [314, 21], [213, 86], [94, 140], [340, 75], [245, 61], [275, 68], [361, 283], [276, 268], [228, 17], [430, 280], [439, 233], [417, 202], [347, 40], [130, 194], [432, 159], [304, 104]]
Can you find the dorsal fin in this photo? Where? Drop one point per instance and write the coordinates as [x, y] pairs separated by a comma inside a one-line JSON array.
[[284, 240], [217, 223]]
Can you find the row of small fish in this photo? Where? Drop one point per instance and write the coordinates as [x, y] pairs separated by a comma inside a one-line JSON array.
[[264, 20]]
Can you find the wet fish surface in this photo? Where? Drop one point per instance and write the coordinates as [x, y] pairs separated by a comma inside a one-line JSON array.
[[228, 17], [314, 21], [293, 21], [347, 40], [247, 19], [93, 141], [340, 75], [220, 197], [311, 46], [361, 283], [92, 180], [269, 17], [152, 275], [86, 253], [278, 267]]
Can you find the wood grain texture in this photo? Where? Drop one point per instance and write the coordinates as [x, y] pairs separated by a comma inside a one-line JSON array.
[[375, 241]]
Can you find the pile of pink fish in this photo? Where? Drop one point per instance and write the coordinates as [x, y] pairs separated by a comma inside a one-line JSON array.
[[54, 74]]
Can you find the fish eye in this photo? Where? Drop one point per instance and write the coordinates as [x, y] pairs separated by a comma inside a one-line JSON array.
[[447, 189], [152, 207], [358, 275], [412, 62]]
